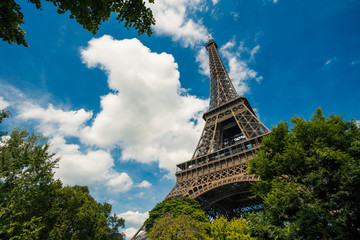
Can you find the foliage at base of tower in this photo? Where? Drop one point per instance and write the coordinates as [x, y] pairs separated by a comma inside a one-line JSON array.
[[182, 227], [176, 207], [222, 229], [33, 205], [310, 180]]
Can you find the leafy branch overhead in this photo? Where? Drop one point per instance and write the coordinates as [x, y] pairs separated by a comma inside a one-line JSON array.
[[88, 13]]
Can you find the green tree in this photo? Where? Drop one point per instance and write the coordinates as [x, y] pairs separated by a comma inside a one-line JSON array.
[[310, 180], [182, 227], [26, 184], [114, 223], [76, 215], [34, 205], [89, 13], [222, 229], [3, 114], [176, 207]]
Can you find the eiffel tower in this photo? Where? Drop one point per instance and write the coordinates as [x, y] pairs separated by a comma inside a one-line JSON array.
[[216, 174]]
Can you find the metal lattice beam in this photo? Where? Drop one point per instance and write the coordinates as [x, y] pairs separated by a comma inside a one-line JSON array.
[[221, 87]]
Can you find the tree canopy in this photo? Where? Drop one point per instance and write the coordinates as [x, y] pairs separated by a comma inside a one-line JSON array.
[[182, 227], [176, 207], [35, 205], [88, 13], [182, 219], [222, 229], [310, 180]]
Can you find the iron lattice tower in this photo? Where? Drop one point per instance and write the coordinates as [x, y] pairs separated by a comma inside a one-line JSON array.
[[216, 174]]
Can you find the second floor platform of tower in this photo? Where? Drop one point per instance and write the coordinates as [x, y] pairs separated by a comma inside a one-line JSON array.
[[242, 147]]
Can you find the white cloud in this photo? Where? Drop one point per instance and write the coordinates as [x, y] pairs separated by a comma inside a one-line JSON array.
[[254, 51], [203, 59], [85, 167], [129, 232], [173, 19], [144, 184], [149, 115], [119, 182], [76, 166], [89, 168], [3, 104], [275, 1], [239, 71], [55, 121], [134, 219]]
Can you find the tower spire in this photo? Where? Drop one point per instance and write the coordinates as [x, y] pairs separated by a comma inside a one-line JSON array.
[[221, 87]]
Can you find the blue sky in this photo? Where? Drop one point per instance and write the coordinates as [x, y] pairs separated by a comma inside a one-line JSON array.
[[122, 110]]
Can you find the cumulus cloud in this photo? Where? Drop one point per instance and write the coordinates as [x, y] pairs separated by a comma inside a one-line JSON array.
[[119, 182], [80, 168], [144, 184], [87, 167], [172, 19], [129, 232], [135, 219], [3, 104], [55, 121], [203, 59], [148, 115], [84, 166], [239, 71], [237, 58]]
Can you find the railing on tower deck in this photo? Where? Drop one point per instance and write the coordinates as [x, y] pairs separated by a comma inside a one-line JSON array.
[[243, 145]]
